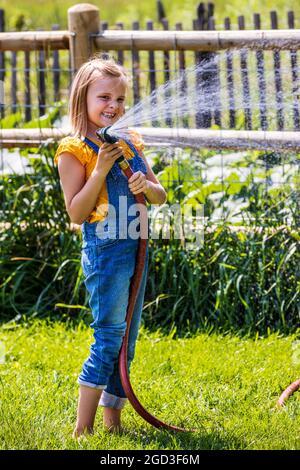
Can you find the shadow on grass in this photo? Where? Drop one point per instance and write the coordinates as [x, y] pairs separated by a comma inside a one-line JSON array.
[[164, 439]]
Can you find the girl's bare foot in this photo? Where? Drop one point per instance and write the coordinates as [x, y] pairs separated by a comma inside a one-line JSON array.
[[86, 411], [112, 420], [81, 432], [113, 429]]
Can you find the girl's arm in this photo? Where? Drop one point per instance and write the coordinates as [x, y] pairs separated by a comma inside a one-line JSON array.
[[80, 196], [148, 184]]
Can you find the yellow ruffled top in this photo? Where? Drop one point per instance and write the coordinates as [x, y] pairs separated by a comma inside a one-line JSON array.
[[88, 158]]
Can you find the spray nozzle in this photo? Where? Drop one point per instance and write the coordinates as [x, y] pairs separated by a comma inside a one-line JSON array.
[[104, 135]]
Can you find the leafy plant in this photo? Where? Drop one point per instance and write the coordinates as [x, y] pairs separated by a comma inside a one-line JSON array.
[[245, 277]]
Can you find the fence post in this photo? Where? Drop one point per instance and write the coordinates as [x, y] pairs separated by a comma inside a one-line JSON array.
[[83, 20]]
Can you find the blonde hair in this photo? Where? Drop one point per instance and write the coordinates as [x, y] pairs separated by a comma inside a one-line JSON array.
[[103, 66]]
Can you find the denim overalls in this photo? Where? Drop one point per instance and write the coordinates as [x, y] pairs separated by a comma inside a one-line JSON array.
[[108, 262]]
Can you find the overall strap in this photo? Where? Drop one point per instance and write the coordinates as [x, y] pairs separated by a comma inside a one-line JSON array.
[[115, 170], [91, 144], [95, 147], [132, 147]]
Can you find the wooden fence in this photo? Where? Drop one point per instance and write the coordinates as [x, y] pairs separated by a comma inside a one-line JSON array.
[[154, 56]]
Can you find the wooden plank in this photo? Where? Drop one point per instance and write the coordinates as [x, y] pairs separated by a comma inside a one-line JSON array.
[[200, 118], [34, 40], [162, 18], [151, 62], [215, 75], [245, 80], [83, 23], [230, 81], [13, 92], [203, 114], [196, 40], [104, 27], [226, 139], [157, 40], [27, 97], [41, 82], [120, 26], [260, 64], [152, 73], [198, 90], [135, 60], [295, 77], [181, 54], [34, 133], [210, 14], [56, 70], [203, 58], [206, 138], [167, 76], [278, 79], [161, 14], [20, 143], [209, 74], [183, 81]]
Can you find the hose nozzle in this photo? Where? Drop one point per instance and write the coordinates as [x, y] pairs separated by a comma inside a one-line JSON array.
[[104, 135]]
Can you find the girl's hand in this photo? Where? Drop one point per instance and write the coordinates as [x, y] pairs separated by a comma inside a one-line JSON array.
[[107, 155], [138, 183]]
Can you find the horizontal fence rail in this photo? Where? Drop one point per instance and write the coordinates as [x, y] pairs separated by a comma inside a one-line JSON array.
[[205, 138], [43, 64], [34, 41], [206, 41]]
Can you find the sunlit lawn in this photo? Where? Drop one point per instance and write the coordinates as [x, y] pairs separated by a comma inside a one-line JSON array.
[[224, 386], [44, 13]]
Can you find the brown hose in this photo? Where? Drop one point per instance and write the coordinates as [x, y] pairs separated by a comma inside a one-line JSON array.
[[134, 288], [288, 392]]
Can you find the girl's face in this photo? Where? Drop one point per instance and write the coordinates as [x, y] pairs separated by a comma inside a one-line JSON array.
[[105, 101]]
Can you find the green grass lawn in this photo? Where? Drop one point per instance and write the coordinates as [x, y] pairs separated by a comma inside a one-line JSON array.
[[225, 386], [44, 13]]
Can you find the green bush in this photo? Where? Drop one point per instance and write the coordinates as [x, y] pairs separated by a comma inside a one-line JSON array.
[[245, 277], [243, 281], [39, 251]]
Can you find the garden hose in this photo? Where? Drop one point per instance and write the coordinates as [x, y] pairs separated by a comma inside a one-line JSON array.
[[104, 135]]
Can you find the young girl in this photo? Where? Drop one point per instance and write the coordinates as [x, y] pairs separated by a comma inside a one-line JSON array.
[[93, 185]]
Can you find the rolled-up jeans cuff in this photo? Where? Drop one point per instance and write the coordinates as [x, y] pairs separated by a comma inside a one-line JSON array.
[[91, 385], [112, 401]]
